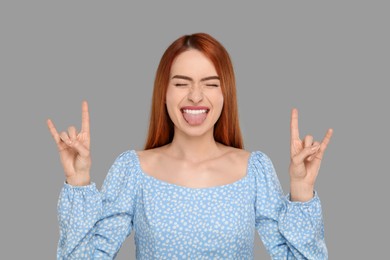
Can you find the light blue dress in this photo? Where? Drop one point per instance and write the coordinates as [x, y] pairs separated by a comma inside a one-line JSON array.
[[177, 222]]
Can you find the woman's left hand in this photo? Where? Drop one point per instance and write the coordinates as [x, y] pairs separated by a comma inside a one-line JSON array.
[[306, 157]]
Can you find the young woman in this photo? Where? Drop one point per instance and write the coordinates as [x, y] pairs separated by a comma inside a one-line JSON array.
[[193, 193]]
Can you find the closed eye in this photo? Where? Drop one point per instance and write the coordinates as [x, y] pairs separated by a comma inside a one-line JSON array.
[[212, 85], [180, 85]]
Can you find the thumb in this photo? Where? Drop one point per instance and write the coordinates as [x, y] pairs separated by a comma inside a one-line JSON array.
[[80, 148], [300, 157]]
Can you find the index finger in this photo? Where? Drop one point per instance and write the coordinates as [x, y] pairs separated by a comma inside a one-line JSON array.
[[84, 117], [294, 124]]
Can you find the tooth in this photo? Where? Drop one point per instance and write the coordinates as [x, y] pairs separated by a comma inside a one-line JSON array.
[[194, 112]]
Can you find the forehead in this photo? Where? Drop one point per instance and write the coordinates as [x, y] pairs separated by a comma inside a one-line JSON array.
[[193, 63]]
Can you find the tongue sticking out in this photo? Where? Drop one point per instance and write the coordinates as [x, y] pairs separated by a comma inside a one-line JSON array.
[[195, 119]]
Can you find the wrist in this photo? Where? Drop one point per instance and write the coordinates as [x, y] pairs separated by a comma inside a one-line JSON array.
[[78, 181], [301, 192]]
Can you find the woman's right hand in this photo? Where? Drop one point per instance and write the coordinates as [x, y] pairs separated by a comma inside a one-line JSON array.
[[74, 150]]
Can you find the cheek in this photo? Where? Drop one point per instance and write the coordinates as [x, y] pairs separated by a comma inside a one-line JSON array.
[[172, 101], [169, 106], [169, 98], [219, 100]]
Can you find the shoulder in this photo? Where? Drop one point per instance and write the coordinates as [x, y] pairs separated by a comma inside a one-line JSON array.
[[134, 156], [150, 153], [264, 160], [261, 157], [257, 161], [252, 157], [126, 156], [150, 156], [123, 172], [235, 154], [234, 159], [262, 167], [125, 164]]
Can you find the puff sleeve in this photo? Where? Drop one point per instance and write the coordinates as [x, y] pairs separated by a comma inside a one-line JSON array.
[[289, 230], [94, 224]]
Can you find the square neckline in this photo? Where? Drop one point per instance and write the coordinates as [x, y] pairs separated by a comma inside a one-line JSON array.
[[146, 175]]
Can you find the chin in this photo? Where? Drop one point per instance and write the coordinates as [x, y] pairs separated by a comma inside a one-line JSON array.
[[194, 131]]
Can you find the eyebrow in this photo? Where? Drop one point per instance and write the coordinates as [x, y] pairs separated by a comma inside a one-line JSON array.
[[190, 79]]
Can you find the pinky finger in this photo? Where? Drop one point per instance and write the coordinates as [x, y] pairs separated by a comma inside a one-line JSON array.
[[53, 131], [326, 139], [325, 142]]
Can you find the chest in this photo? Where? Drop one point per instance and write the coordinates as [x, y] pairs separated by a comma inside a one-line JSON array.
[[171, 215], [197, 175]]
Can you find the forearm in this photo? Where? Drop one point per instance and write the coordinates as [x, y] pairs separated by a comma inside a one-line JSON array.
[[79, 208], [301, 225]]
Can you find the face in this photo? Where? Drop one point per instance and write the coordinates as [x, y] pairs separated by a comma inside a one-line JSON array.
[[194, 97]]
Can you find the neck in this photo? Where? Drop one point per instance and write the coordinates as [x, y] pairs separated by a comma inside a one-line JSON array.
[[194, 148]]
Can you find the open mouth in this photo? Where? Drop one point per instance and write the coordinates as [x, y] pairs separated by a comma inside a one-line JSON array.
[[195, 116]]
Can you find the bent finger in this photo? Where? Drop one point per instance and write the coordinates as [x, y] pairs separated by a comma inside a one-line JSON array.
[[72, 132], [65, 138], [308, 141], [311, 157]]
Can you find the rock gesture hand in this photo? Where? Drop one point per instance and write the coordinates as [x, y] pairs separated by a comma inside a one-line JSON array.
[[74, 149], [306, 157]]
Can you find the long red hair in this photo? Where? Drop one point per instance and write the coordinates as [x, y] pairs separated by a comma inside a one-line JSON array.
[[227, 129]]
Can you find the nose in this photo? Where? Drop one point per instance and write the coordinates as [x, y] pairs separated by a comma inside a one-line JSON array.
[[195, 94]]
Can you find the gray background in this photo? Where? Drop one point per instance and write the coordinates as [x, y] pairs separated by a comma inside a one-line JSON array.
[[330, 59]]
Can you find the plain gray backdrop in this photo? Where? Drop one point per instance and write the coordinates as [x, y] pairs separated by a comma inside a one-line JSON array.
[[330, 59]]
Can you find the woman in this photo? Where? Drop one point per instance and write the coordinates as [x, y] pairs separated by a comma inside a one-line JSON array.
[[193, 192]]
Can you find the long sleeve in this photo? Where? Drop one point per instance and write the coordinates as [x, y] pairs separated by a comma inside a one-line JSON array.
[[289, 230], [93, 224]]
